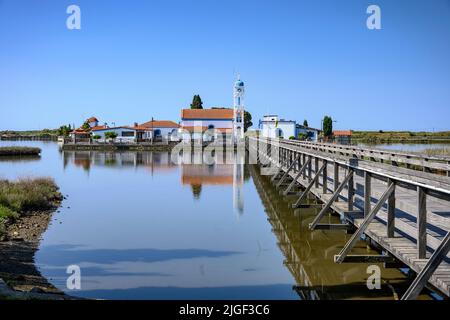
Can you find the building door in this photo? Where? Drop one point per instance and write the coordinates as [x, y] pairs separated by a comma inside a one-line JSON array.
[[279, 133]]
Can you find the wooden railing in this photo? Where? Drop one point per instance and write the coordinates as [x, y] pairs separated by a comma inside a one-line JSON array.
[[439, 164], [294, 164]]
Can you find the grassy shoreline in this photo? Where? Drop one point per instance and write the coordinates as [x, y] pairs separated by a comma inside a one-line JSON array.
[[400, 137], [17, 198], [19, 151]]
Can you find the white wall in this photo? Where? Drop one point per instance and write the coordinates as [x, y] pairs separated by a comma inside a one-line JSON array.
[[271, 130], [119, 132], [165, 133], [225, 124]]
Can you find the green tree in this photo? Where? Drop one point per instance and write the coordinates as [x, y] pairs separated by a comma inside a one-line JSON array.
[[197, 102], [86, 126], [302, 136], [110, 135], [64, 130], [327, 126], [247, 120], [305, 123], [196, 190]]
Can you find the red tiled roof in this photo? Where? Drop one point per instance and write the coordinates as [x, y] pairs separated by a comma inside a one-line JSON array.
[[80, 131], [207, 114], [160, 124], [92, 119], [98, 128], [339, 133]]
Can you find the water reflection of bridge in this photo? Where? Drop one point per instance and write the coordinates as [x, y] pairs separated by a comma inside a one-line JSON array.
[[309, 255]]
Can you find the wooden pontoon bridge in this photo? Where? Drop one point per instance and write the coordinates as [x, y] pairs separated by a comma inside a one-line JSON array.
[[401, 202]]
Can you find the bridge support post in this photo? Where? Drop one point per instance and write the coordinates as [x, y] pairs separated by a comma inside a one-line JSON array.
[[310, 169], [286, 173], [391, 212], [351, 192], [302, 170], [339, 258], [421, 223], [367, 193], [336, 177], [316, 168], [433, 263], [327, 206], [308, 188], [304, 161]]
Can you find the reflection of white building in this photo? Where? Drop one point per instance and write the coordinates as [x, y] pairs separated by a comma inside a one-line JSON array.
[[238, 183], [273, 127], [217, 174]]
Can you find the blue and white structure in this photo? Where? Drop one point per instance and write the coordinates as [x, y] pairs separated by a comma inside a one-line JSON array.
[[238, 107]]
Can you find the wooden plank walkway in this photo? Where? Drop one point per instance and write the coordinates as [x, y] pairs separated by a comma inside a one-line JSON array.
[[396, 227]]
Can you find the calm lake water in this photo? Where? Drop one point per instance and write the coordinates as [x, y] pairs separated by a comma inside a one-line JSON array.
[[141, 227]]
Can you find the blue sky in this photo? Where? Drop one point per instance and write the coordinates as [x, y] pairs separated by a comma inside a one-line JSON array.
[[133, 60]]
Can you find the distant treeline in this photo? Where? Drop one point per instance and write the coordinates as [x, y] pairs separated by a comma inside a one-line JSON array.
[[46, 134], [400, 137]]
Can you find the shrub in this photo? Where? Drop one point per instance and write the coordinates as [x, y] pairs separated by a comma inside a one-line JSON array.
[[110, 135], [96, 137], [291, 138], [6, 213], [28, 194]]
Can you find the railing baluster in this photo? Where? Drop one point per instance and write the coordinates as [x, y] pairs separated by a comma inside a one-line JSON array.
[[421, 223], [367, 193], [336, 178], [351, 193], [391, 212]]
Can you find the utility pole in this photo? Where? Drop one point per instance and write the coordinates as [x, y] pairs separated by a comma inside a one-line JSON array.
[[152, 130]]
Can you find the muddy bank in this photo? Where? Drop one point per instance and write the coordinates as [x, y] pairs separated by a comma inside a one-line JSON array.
[[17, 268]]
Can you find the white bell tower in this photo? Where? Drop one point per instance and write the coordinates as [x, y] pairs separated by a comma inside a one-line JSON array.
[[238, 125]]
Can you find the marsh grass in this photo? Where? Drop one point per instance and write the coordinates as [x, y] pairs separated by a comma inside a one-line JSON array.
[[25, 195], [19, 151], [400, 136], [437, 152]]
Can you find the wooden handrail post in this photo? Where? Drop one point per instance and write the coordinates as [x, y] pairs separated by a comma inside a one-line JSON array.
[[336, 178], [391, 212], [316, 168], [367, 193], [351, 192], [421, 223]]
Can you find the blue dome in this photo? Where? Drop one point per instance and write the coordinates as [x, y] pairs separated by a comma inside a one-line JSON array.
[[239, 83]]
